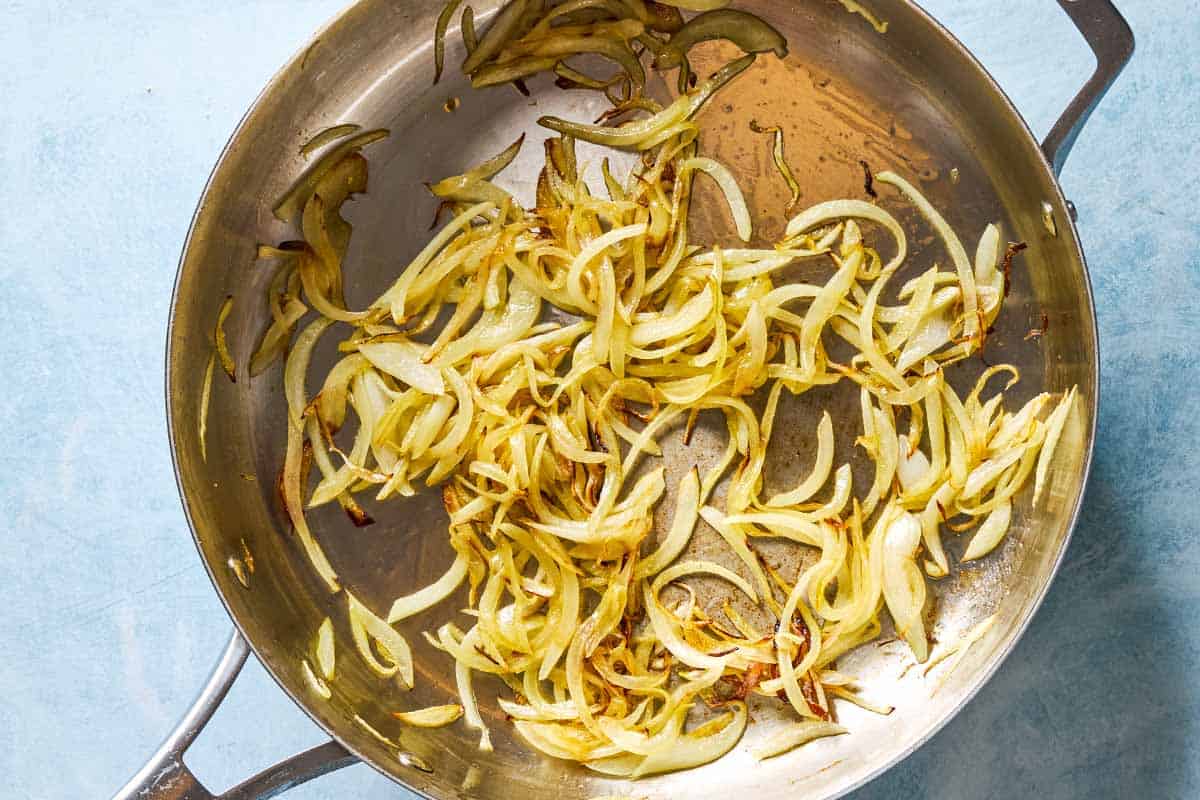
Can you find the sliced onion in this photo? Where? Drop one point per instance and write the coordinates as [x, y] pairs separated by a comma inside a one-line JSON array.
[[903, 583], [912, 467], [733, 195], [402, 359], [431, 595], [823, 307], [736, 540], [990, 533], [781, 165], [454, 188], [326, 660], [691, 314], [958, 254], [295, 508], [747, 31], [687, 511], [462, 676], [431, 717], [1054, 428], [292, 203], [647, 133], [665, 632], [820, 471], [795, 735], [222, 343], [296, 368], [677, 571], [275, 340], [202, 411], [697, 748], [327, 136], [439, 38], [320, 687], [837, 210], [855, 7], [501, 30], [372, 635]]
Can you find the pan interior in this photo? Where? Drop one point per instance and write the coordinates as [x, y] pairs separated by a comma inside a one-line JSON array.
[[910, 101]]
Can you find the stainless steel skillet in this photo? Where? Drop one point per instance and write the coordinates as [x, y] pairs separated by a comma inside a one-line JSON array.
[[913, 100]]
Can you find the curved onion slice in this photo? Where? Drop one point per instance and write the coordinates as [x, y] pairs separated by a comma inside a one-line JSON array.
[[296, 367], [324, 649], [780, 159], [820, 471], [439, 38], [501, 29], [402, 360], [903, 583], [459, 186], [431, 717], [1054, 428], [292, 203], [665, 632], [222, 343], [690, 314], [855, 7], [315, 683], [733, 195], [202, 410], [990, 533], [381, 646], [413, 604], [701, 746], [327, 136], [837, 210], [797, 734], [677, 571], [687, 511], [958, 254], [646, 133], [736, 540], [747, 31], [462, 677]]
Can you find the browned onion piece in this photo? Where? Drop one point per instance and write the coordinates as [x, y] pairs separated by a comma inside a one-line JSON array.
[[747, 31]]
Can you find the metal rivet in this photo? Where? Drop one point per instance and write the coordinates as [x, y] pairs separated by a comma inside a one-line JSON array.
[[1073, 211]]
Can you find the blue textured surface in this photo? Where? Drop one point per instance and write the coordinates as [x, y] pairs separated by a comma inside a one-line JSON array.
[[115, 110]]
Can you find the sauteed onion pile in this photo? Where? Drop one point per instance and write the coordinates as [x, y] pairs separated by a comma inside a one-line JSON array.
[[533, 362]]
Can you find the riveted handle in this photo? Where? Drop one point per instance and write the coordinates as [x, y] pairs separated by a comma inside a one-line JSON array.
[[166, 777], [1111, 39]]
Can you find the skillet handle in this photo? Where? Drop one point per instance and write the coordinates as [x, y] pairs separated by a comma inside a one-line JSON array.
[[1111, 39], [166, 777]]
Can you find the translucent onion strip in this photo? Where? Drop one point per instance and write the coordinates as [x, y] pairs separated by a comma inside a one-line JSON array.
[[326, 656], [431, 595], [733, 195], [382, 648], [795, 735], [431, 717]]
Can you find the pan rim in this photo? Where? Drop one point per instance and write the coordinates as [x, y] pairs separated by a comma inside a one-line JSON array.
[[982, 677]]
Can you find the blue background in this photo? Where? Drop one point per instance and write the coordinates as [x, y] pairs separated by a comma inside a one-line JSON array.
[[114, 111]]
